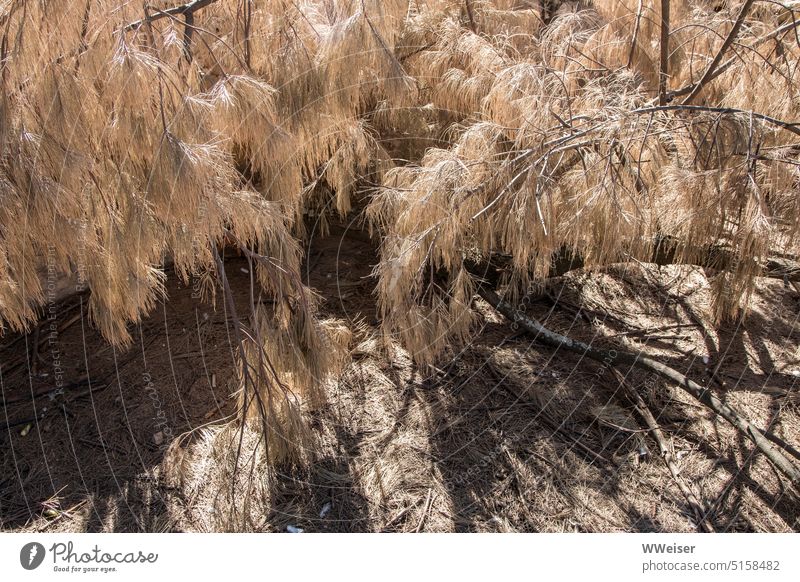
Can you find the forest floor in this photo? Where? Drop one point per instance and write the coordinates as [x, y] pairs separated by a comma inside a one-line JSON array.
[[504, 435]]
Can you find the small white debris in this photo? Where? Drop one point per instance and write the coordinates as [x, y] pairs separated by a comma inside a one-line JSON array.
[[205, 317], [158, 438], [706, 360], [213, 380], [243, 270], [796, 373], [294, 529], [326, 509]]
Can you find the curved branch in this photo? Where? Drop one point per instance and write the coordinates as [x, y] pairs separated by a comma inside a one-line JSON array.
[[700, 512], [707, 76], [727, 64]]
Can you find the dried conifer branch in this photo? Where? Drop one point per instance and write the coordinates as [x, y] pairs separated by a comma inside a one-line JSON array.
[[719, 70], [793, 127], [665, 253], [301, 107]]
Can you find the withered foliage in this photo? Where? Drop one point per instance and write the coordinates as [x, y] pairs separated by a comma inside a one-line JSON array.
[[129, 135]]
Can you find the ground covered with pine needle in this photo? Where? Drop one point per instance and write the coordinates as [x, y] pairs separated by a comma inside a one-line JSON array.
[[503, 435]]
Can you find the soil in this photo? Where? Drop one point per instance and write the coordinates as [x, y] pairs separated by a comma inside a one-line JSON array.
[[502, 435]]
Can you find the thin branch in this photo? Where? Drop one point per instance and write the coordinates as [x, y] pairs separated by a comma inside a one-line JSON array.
[[568, 142], [700, 513], [216, 37], [727, 64], [788, 126], [635, 38], [188, 29], [664, 54], [470, 15], [707, 76], [248, 20]]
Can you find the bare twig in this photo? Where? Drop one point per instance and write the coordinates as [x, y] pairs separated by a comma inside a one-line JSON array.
[[425, 511], [247, 8], [470, 15], [188, 29], [185, 9], [787, 125], [644, 412], [727, 64], [707, 76], [663, 74], [635, 38]]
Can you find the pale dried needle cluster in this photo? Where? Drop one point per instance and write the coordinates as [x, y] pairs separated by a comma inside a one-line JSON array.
[[468, 128]]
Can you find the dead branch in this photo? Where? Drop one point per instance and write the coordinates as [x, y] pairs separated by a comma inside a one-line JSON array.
[[644, 412], [468, 6], [665, 253], [727, 64], [615, 358], [635, 38], [664, 54], [707, 76], [187, 10], [787, 125]]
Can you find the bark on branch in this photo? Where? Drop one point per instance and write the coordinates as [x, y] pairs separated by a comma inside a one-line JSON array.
[[187, 9], [617, 358], [700, 513], [720, 69], [709, 72], [663, 65]]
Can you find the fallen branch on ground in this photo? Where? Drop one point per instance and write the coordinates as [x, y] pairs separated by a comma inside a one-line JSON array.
[[615, 358], [700, 513]]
